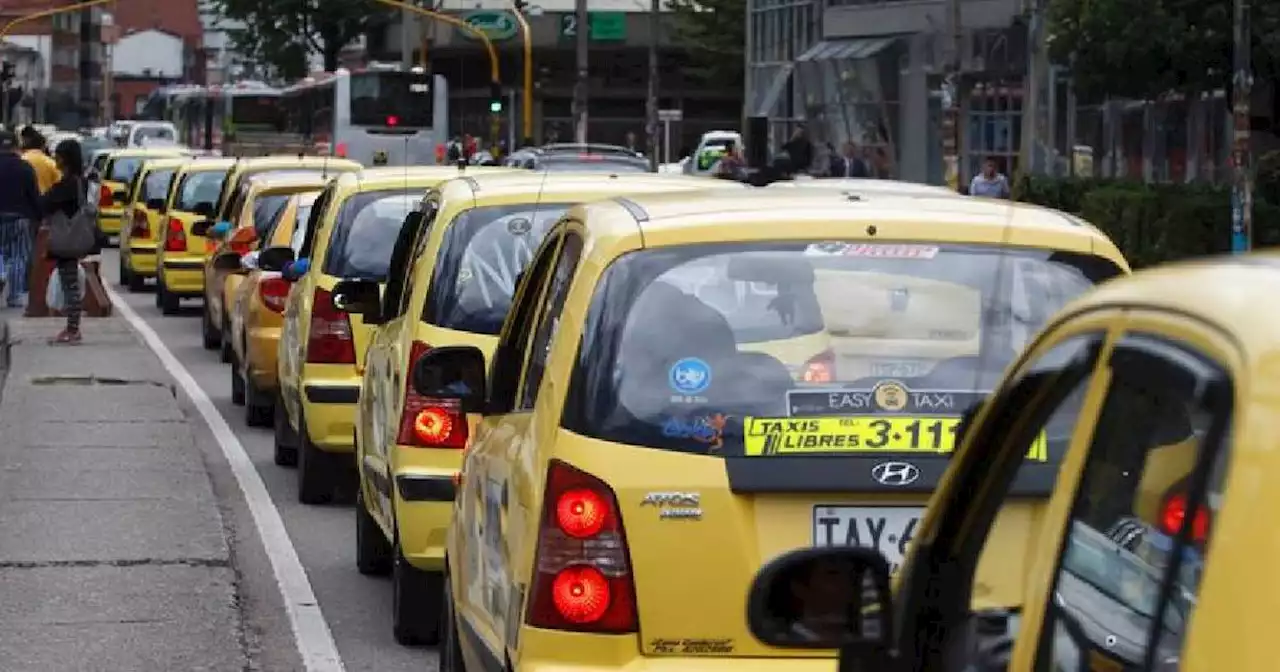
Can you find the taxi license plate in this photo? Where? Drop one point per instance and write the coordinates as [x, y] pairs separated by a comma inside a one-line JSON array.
[[888, 529]]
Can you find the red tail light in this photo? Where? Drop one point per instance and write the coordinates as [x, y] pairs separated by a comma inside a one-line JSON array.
[[821, 368], [141, 228], [582, 575], [273, 292], [175, 237], [330, 340], [1174, 512], [426, 422], [105, 198]]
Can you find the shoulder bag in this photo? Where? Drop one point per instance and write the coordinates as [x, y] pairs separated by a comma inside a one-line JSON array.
[[72, 237]]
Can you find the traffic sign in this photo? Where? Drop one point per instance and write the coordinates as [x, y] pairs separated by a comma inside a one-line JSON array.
[[604, 26], [670, 115]]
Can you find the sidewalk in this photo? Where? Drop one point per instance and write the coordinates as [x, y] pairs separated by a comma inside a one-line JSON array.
[[113, 554]]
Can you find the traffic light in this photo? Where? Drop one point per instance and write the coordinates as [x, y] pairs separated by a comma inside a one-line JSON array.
[[495, 98]]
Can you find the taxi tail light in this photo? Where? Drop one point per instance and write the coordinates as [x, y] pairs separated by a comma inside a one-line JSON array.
[[427, 422], [1173, 511], [582, 575], [175, 236], [274, 292], [141, 227], [821, 368], [105, 197], [330, 340]]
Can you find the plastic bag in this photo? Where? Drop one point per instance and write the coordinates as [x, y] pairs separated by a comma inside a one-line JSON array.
[[53, 296]]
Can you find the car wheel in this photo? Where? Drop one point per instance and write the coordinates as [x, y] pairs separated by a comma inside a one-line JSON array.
[[450, 647], [258, 410], [237, 386], [208, 336], [415, 598], [285, 439], [227, 352], [137, 283], [315, 474], [169, 302], [373, 551], [124, 273]]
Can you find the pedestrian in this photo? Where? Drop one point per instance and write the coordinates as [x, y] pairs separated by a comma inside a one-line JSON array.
[[19, 212], [731, 166], [990, 183], [67, 197], [800, 149], [35, 152], [632, 144], [849, 163]]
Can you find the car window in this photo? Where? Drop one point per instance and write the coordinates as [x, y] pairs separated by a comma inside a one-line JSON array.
[[156, 184], [366, 231], [879, 348], [549, 320], [484, 251], [124, 168], [199, 187], [266, 209], [144, 134], [595, 165], [300, 225], [237, 204], [1133, 498]]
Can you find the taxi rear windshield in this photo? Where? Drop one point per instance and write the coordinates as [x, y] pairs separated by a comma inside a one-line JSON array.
[[156, 184], [125, 168], [485, 250], [822, 348], [199, 187], [366, 231]]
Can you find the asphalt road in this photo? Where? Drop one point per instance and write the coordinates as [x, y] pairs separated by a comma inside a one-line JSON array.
[[357, 608]]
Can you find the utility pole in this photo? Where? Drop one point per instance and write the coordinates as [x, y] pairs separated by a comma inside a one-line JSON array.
[[583, 28], [1242, 154], [951, 98], [651, 123], [407, 19]]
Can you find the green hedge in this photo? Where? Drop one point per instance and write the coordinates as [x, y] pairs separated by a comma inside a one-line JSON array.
[[1154, 223]]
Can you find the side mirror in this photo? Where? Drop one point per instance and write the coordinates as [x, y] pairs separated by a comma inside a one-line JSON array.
[[453, 372], [119, 196], [155, 204], [228, 261], [203, 208], [824, 598], [294, 270], [201, 228], [359, 296], [275, 258]]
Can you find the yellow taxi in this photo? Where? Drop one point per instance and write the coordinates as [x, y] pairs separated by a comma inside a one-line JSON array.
[[256, 313], [864, 185], [144, 212], [621, 424], [180, 254], [1176, 356], [457, 260], [353, 227], [261, 198], [183, 273], [115, 176]]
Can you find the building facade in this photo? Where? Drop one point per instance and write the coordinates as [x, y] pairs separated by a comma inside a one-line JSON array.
[[71, 45]]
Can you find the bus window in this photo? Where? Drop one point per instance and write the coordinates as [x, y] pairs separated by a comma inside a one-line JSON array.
[[399, 99], [250, 112]]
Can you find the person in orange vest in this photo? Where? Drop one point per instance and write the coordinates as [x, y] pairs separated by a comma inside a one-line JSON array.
[[440, 154]]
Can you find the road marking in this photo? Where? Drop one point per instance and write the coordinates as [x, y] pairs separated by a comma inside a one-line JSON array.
[[310, 629]]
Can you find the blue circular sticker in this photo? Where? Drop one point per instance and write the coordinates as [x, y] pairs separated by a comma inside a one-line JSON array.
[[689, 376]]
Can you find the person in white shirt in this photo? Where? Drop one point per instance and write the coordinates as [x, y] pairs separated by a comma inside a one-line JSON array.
[[990, 183]]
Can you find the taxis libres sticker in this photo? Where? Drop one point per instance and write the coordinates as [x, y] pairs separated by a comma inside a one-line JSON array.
[[887, 418], [878, 250]]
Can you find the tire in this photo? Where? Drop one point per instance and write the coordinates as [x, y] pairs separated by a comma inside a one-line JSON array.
[[315, 471], [209, 338], [237, 386], [373, 551], [227, 353], [416, 597], [168, 302], [137, 283], [285, 439], [258, 408], [125, 275], [450, 647]]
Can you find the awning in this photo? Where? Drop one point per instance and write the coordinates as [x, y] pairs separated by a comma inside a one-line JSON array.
[[841, 50]]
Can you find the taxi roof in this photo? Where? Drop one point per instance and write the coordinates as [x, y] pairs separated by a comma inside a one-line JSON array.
[[153, 163], [864, 185], [412, 176], [134, 152], [665, 219], [287, 160], [518, 182], [206, 163], [266, 181]]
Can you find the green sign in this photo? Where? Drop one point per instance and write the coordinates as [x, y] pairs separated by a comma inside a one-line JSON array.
[[497, 26], [605, 26]]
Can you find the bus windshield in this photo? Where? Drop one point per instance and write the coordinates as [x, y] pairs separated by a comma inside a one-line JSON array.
[[256, 111], [391, 99]]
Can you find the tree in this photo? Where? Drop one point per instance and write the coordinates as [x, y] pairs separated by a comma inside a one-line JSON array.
[[1143, 49], [713, 32], [284, 32]]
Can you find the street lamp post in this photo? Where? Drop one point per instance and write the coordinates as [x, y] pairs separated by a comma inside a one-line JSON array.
[[1241, 151], [526, 100]]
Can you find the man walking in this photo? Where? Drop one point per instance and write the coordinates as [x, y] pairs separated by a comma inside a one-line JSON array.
[[33, 152], [849, 164], [990, 183], [19, 214]]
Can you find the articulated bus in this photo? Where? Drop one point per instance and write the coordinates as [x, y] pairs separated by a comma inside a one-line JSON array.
[[213, 118], [377, 116]]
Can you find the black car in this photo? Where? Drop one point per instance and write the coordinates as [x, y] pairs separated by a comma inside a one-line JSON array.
[[571, 157]]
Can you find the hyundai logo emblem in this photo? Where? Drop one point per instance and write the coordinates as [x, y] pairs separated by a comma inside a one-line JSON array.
[[897, 474]]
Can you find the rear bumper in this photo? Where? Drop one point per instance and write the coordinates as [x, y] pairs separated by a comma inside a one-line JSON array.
[[109, 223], [142, 258], [260, 360], [548, 651], [183, 276], [329, 410], [424, 509]]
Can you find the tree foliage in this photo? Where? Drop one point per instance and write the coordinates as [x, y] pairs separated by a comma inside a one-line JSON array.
[[283, 33], [713, 32], [1148, 48]]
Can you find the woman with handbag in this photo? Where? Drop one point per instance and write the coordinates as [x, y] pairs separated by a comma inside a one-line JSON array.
[[63, 203]]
